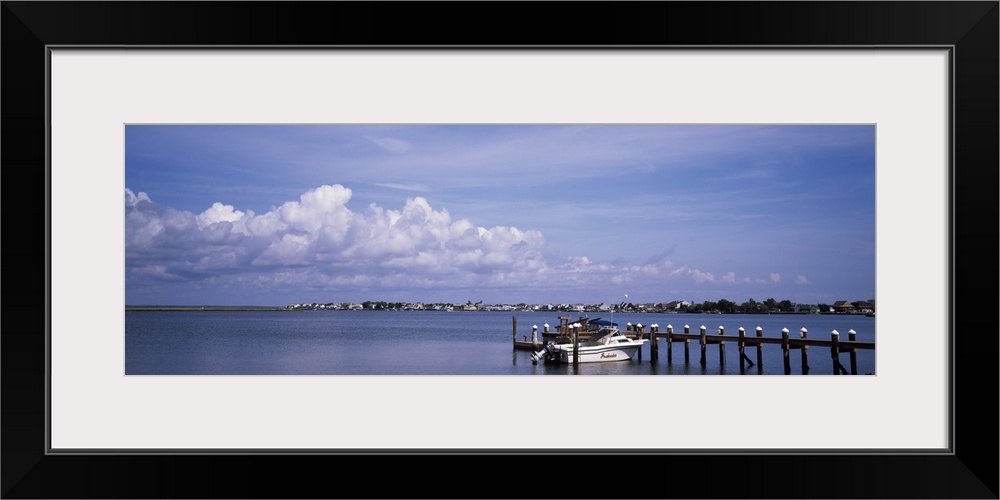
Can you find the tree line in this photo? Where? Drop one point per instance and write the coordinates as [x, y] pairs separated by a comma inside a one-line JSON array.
[[751, 306]]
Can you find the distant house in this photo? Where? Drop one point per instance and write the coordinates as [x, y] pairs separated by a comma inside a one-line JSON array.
[[843, 306], [806, 308], [864, 306], [675, 305]]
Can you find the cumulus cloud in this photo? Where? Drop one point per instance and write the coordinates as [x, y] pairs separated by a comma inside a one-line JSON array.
[[696, 275], [701, 277], [219, 213], [132, 199], [801, 280], [327, 241], [775, 278]]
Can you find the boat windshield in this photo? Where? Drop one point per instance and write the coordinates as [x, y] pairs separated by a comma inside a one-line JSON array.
[[602, 336]]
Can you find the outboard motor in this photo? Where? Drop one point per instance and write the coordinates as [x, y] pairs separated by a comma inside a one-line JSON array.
[[545, 354]]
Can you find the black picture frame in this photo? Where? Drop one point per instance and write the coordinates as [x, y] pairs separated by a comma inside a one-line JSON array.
[[969, 28]]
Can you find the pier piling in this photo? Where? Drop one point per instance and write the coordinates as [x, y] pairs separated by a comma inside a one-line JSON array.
[[687, 344], [704, 343], [722, 347], [852, 336], [742, 344], [805, 352], [760, 351], [576, 345], [638, 333], [835, 353], [670, 343], [654, 347], [514, 333], [784, 348]]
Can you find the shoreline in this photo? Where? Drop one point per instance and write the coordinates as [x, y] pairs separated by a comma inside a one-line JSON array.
[[205, 308], [285, 309]]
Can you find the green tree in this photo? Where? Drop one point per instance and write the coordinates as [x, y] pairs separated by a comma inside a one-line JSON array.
[[727, 306], [750, 306]]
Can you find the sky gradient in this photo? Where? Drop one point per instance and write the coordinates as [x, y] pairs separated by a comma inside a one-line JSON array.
[[274, 215]]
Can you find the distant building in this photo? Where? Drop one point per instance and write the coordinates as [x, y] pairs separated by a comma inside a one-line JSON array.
[[675, 305], [843, 306], [864, 306], [806, 308]]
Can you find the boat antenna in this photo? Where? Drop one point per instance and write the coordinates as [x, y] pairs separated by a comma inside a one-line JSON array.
[[613, 311]]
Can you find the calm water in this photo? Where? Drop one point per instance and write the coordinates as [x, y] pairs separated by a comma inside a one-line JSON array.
[[442, 343]]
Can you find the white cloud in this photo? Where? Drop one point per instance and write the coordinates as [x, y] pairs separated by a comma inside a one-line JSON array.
[[132, 199], [701, 277], [290, 249], [219, 213], [324, 206], [142, 229], [801, 280], [775, 278], [697, 275], [332, 244]]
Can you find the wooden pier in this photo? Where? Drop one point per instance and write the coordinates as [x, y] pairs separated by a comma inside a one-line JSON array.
[[802, 343]]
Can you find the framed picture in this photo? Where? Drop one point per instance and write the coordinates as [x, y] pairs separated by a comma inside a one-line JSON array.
[[920, 76]]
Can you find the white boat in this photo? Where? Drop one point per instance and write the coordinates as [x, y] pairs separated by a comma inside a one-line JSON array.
[[607, 344]]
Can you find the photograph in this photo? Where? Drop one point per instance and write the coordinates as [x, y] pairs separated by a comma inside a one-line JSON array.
[[338, 249], [278, 237]]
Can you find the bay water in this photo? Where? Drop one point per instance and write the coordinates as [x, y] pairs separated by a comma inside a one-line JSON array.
[[370, 342]]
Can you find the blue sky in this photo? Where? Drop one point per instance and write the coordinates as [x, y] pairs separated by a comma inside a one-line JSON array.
[[274, 215]]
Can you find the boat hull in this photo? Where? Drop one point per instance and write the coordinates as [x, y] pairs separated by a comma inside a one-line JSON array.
[[599, 354]]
